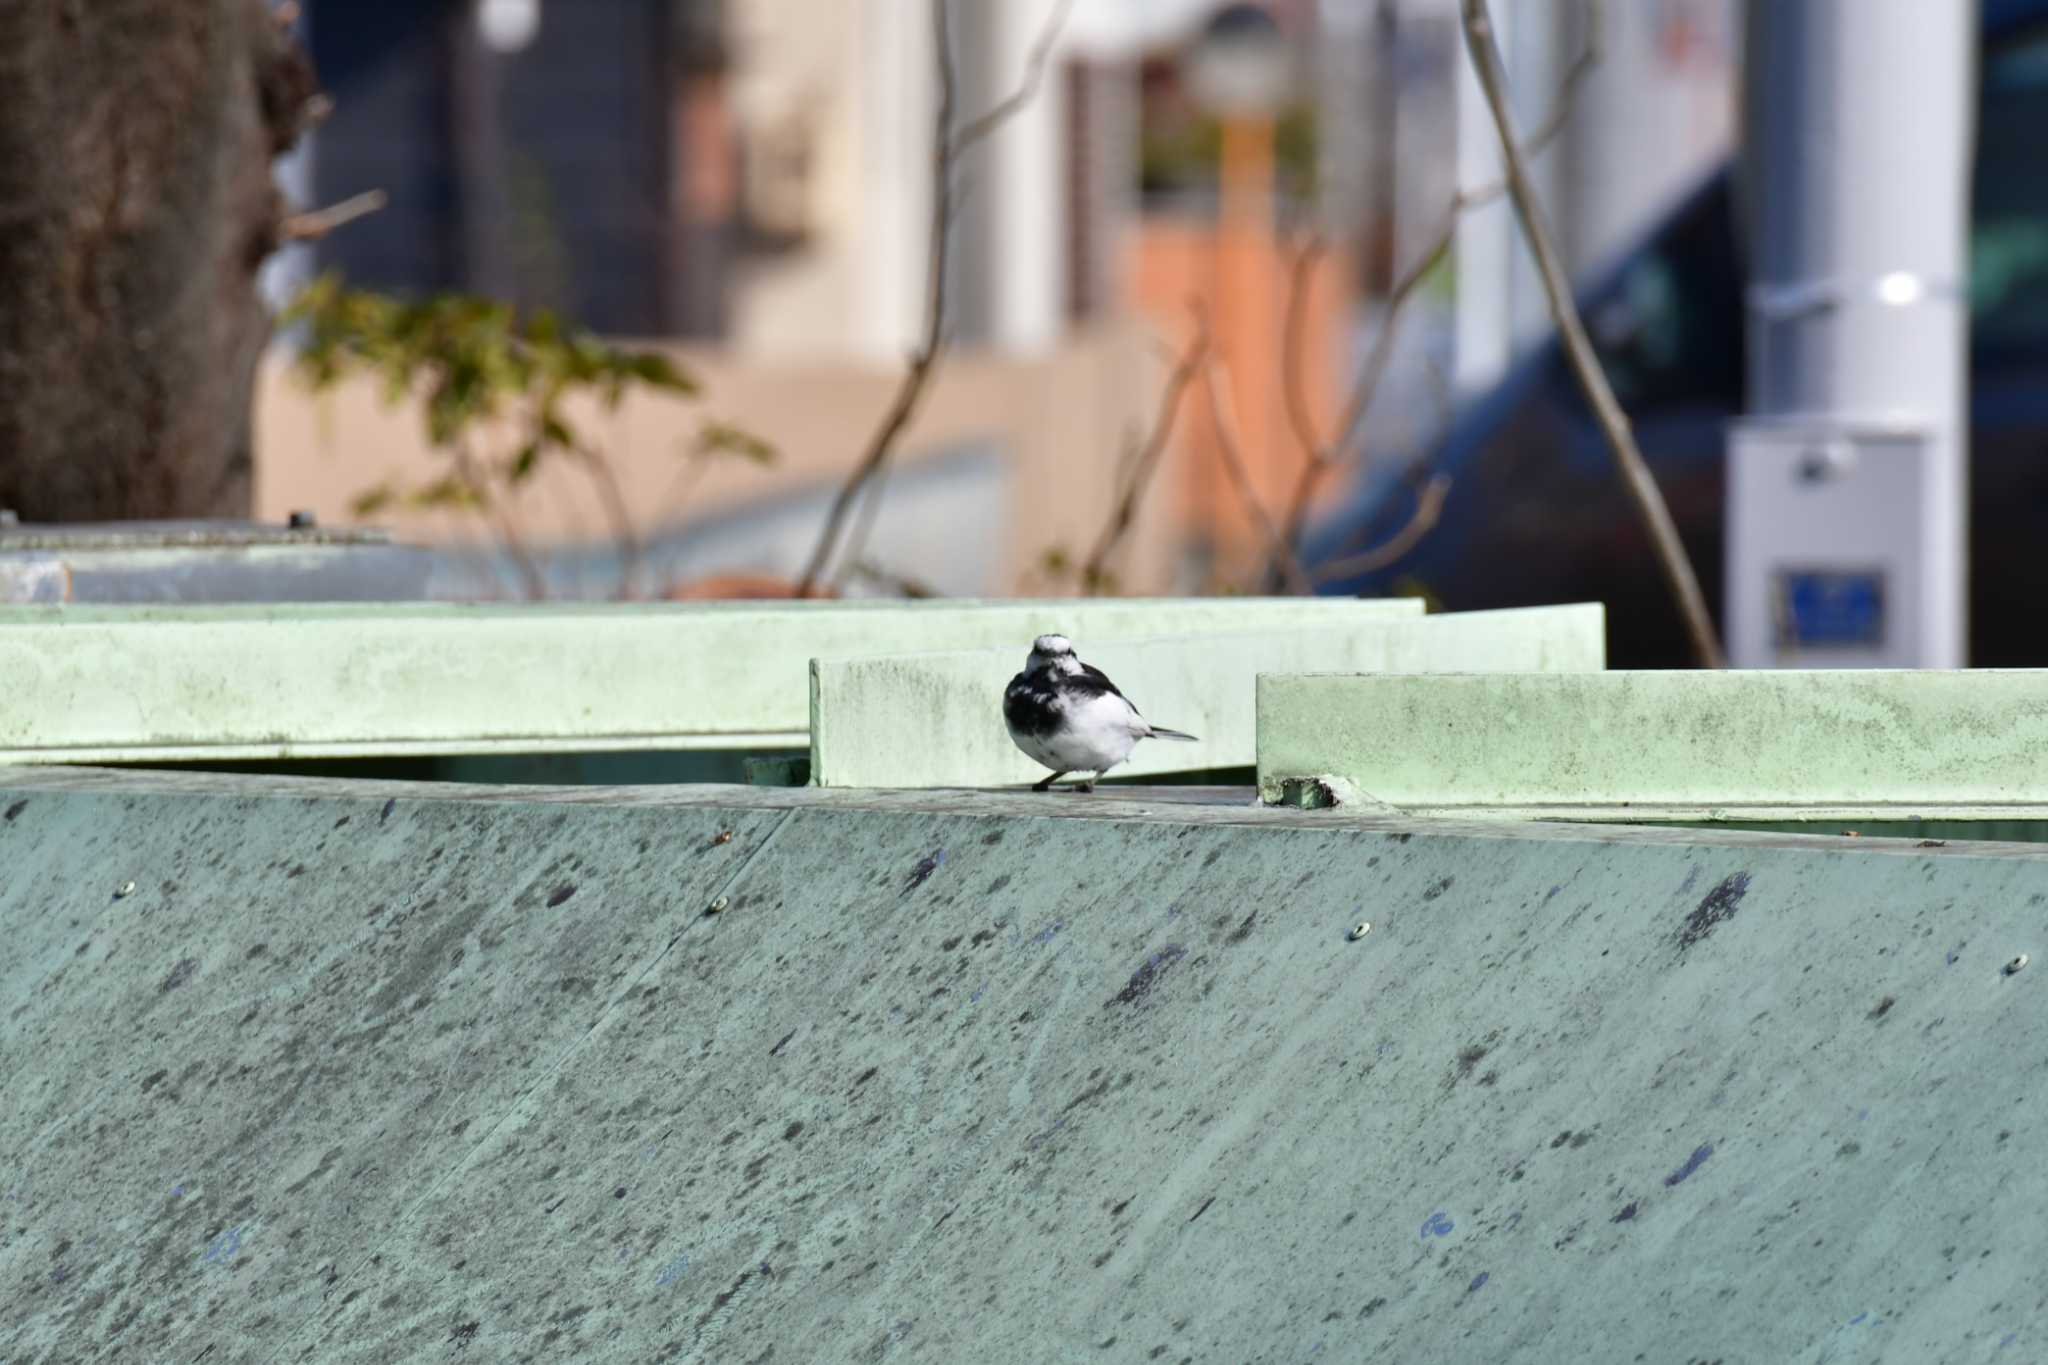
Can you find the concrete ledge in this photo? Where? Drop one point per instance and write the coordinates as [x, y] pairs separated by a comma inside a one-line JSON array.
[[369, 1072], [123, 684], [1837, 745], [935, 719]]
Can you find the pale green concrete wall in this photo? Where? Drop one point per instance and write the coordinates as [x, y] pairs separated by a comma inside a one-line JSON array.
[[935, 719], [393, 1074], [126, 684], [1871, 744]]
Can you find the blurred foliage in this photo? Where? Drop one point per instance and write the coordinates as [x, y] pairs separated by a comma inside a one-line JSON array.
[[722, 438], [495, 388], [1059, 571], [1184, 155]]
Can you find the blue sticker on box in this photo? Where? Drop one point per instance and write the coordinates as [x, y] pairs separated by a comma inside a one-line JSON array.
[[1831, 608]]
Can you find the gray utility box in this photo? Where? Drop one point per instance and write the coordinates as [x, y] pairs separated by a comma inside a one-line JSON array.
[[205, 561], [1841, 549]]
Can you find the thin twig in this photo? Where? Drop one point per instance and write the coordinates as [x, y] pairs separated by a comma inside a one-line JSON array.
[[632, 554], [1292, 371], [1578, 348], [1429, 506], [509, 535], [314, 224], [1324, 456], [947, 144], [865, 514], [696, 464], [1184, 371], [1223, 415], [915, 378], [1034, 76], [905, 586]]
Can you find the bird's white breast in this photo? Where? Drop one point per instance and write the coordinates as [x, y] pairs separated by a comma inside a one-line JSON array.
[[1097, 734]]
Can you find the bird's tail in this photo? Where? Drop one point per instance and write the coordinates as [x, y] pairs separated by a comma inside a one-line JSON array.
[[1161, 732]]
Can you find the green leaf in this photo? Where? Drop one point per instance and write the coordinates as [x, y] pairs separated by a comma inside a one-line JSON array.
[[372, 501], [448, 491], [544, 329], [722, 438], [523, 463], [652, 367], [556, 432]]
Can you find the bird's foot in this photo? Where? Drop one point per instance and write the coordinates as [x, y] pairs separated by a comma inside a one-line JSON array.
[[1046, 784], [1083, 787]]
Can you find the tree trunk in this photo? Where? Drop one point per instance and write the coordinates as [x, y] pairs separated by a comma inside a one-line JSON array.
[[136, 206]]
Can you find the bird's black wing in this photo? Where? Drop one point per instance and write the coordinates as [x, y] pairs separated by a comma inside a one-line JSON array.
[[1094, 682]]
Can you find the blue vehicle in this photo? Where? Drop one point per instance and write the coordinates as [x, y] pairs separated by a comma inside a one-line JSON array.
[[1536, 512]]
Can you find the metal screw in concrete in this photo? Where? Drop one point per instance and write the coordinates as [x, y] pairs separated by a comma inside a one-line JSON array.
[[2015, 964], [1360, 930]]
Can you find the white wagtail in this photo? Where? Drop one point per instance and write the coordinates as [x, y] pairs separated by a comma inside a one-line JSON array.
[[1070, 717]]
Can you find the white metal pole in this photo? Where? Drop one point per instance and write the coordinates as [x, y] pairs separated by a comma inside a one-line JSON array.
[[1856, 190]]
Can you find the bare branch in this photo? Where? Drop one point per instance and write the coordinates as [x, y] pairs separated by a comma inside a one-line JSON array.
[[1223, 414], [1324, 456], [1034, 76], [1429, 506], [314, 224], [903, 585], [1184, 372], [1590, 53], [947, 144], [632, 554], [509, 534], [1578, 347], [866, 512], [1292, 371]]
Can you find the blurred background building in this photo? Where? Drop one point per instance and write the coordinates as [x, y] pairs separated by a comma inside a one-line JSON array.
[[749, 182]]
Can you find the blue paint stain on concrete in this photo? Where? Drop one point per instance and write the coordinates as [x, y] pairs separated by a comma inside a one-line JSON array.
[[926, 865], [1045, 935], [1478, 1282], [672, 1272], [223, 1248], [1692, 1163], [1438, 1224]]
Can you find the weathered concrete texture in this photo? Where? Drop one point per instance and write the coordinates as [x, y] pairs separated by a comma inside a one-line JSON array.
[[935, 719], [124, 684], [371, 1074], [1777, 745]]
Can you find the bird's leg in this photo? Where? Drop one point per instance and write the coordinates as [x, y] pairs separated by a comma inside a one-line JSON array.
[[1046, 785]]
